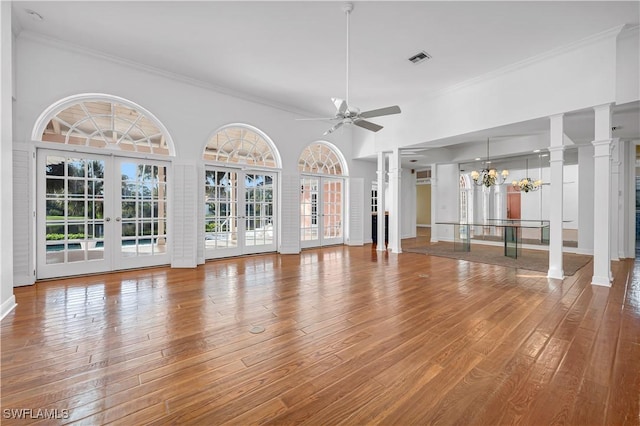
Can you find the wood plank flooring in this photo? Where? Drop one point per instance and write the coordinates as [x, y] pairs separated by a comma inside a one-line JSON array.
[[352, 336]]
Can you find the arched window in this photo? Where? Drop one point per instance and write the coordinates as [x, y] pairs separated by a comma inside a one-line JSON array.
[[321, 197], [322, 158], [98, 212], [241, 144], [240, 203], [102, 121]]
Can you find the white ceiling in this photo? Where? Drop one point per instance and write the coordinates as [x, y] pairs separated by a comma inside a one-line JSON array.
[[292, 54]]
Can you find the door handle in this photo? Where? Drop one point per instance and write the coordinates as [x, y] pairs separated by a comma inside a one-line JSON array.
[[107, 219], [118, 219]]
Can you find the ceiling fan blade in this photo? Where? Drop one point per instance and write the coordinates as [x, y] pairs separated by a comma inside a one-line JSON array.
[[316, 118], [367, 125], [334, 128], [341, 105], [380, 112]]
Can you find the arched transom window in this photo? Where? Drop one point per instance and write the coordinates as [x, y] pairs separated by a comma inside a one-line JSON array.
[[106, 124], [320, 158], [241, 145]]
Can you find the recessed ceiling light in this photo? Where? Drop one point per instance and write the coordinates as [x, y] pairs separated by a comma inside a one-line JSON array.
[[477, 158], [420, 57], [536, 150], [34, 15]]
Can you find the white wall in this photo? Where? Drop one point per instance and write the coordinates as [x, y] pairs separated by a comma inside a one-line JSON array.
[[628, 67], [535, 205], [445, 195], [48, 72], [7, 299], [190, 113], [408, 203], [564, 80], [367, 170]]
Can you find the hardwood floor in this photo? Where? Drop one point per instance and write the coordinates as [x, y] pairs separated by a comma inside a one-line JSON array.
[[351, 336]]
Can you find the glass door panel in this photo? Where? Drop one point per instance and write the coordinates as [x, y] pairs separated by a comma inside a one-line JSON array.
[[142, 213], [228, 193], [321, 211], [309, 214], [332, 211], [221, 213], [258, 206], [71, 221]]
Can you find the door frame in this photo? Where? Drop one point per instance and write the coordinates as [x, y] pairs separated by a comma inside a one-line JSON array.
[[321, 240], [242, 248], [112, 195]]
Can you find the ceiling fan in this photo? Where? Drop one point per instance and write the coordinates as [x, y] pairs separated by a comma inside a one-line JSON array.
[[348, 114]]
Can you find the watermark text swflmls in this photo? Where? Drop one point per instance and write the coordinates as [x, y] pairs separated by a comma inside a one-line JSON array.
[[35, 413]]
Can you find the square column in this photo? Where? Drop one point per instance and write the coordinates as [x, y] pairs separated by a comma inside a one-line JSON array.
[[7, 298], [602, 188], [556, 162], [585, 200], [434, 203], [395, 210], [615, 199], [382, 173]]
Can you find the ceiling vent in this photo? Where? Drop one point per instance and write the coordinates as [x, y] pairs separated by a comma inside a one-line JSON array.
[[420, 57]]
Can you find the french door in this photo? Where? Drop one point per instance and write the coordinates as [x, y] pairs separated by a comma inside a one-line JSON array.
[[99, 213], [239, 212], [321, 211]]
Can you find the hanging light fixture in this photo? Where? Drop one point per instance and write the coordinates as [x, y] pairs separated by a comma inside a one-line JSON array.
[[489, 176], [527, 184]]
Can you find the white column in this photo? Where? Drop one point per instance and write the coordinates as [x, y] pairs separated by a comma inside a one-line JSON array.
[[556, 162], [602, 191], [7, 299], [434, 203], [585, 200], [382, 172], [628, 226], [395, 192], [615, 199]]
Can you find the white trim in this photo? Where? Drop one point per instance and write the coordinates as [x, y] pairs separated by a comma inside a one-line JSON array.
[[99, 151], [8, 306], [601, 281]]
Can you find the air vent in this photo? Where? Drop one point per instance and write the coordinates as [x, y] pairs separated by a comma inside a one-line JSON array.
[[420, 57]]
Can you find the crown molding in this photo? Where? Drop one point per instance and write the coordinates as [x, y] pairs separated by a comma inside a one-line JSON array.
[[74, 48], [629, 31], [16, 26], [607, 34]]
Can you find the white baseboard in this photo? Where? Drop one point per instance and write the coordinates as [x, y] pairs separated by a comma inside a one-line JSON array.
[[8, 306]]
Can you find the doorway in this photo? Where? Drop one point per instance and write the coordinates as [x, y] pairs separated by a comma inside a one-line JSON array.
[[513, 203], [239, 212], [321, 211], [98, 213]]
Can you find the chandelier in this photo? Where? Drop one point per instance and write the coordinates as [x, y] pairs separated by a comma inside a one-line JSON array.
[[527, 184], [489, 176]]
